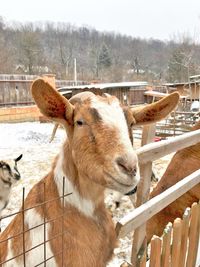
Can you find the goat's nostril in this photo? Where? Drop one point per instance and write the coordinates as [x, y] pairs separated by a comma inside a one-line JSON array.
[[127, 166], [121, 163], [134, 171]]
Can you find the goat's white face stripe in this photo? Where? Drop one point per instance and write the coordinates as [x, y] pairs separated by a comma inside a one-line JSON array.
[[113, 115]]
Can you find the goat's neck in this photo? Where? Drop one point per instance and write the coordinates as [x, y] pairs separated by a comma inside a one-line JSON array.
[[86, 195]]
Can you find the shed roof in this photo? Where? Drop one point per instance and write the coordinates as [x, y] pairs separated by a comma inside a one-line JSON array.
[[158, 94], [105, 85], [195, 76], [180, 83]]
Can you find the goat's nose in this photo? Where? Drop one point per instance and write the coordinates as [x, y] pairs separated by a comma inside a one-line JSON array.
[[127, 164], [17, 176]]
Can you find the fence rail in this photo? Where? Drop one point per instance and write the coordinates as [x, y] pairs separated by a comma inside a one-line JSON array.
[[157, 150], [143, 213]]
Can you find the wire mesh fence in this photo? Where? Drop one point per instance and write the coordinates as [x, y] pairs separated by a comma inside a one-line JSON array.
[[22, 237]]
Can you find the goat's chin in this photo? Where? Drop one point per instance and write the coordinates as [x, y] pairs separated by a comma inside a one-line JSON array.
[[121, 183], [122, 189], [14, 179]]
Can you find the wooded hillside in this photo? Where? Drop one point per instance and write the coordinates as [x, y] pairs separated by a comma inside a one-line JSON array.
[[37, 48]]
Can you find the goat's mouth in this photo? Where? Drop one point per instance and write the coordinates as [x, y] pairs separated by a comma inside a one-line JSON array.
[[121, 183], [17, 177]]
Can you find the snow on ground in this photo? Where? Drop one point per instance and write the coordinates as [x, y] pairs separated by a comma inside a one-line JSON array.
[[32, 140]]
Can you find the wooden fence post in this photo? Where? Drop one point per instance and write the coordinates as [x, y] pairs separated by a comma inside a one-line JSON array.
[[166, 246], [193, 236], [176, 245], [184, 238], [139, 237], [142, 260], [155, 255]]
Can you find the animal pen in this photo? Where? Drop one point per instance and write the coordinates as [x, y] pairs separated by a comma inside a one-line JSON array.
[[176, 250], [180, 120]]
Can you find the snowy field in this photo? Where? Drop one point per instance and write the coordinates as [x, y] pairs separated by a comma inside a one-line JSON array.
[[32, 140]]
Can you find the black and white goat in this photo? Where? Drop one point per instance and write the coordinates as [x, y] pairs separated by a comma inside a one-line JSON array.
[[9, 174]]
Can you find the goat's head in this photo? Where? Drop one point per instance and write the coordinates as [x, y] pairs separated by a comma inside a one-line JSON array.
[[9, 173], [99, 130]]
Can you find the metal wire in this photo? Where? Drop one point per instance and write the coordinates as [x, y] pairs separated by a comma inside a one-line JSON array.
[[63, 206], [44, 210], [23, 227], [24, 231], [36, 206]]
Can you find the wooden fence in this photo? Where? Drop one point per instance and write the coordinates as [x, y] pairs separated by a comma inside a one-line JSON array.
[[15, 89], [179, 244], [177, 123], [136, 220], [13, 92]]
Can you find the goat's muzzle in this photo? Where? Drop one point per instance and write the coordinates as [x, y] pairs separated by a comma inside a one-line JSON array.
[[17, 176]]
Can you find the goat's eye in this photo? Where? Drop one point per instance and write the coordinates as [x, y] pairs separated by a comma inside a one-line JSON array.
[[132, 124], [79, 122]]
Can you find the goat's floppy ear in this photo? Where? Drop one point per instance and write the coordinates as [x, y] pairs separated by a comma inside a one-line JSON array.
[[156, 111], [51, 104]]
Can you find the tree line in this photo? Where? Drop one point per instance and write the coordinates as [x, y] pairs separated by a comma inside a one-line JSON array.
[[38, 48]]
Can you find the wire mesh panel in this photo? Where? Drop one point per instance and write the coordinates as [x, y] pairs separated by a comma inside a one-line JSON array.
[[33, 238]]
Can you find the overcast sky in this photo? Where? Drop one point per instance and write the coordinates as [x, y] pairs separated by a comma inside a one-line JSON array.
[[159, 19]]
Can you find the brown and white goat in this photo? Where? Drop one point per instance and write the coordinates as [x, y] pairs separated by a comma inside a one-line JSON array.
[[97, 154], [183, 163]]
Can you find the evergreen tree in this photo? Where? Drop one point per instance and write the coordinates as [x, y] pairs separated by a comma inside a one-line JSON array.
[[104, 59]]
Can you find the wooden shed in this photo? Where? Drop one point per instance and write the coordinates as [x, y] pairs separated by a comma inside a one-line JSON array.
[[128, 93]]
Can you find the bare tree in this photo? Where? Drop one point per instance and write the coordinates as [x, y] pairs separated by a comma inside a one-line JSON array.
[[65, 44], [30, 49], [182, 62], [6, 51]]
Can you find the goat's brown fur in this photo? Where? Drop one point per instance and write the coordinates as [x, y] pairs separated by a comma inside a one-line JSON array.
[[183, 163]]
